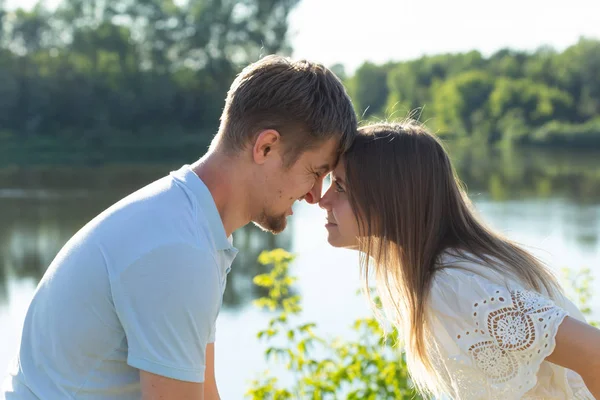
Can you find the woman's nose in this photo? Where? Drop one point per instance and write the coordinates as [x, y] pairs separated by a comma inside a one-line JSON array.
[[325, 202]]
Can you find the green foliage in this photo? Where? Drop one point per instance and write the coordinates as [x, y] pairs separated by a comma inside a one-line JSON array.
[[554, 133], [369, 89], [149, 66], [370, 367], [135, 67], [579, 283], [538, 102], [367, 367], [503, 98], [460, 103]]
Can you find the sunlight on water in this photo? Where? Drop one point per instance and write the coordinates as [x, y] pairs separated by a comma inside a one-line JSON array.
[[554, 212]]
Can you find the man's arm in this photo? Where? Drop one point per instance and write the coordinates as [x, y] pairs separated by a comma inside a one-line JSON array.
[[167, 302], [156, 387], [211, 392]]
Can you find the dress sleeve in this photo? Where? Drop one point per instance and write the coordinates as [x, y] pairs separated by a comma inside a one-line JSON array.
[[494, 337]]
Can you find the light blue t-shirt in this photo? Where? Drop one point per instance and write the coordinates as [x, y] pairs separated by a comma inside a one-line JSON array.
[[139, 287]]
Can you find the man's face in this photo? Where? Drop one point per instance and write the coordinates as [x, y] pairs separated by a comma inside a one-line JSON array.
[[303, 180]]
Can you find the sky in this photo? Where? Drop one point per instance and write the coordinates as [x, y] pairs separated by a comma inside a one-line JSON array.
[[353, 31]]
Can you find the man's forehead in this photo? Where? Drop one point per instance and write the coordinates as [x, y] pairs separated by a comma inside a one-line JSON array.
[[325, 157], [325, 162], [324, 167]]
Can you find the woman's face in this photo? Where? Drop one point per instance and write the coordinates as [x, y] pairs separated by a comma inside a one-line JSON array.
[[342, 227]]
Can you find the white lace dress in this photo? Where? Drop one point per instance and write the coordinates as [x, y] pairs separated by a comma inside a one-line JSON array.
[[493, 336]]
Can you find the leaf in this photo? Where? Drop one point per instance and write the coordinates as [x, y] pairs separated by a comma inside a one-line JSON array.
[[263, 280]]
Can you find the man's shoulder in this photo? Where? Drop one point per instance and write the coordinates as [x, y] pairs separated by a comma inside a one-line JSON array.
[[159, 218], [149, 209]]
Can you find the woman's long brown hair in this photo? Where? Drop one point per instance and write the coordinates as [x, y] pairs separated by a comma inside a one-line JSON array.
[[411, 207]]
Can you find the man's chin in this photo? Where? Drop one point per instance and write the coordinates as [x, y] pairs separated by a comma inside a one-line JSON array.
[[272, 224]]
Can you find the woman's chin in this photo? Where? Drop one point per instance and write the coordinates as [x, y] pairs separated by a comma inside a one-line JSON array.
[[332, 241], [336, 242]]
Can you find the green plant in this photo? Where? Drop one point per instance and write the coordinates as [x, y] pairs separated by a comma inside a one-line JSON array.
[[580, 284], [371, 367]]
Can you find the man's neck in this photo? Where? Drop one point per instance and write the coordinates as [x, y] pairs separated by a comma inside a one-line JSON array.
[[225, 179]]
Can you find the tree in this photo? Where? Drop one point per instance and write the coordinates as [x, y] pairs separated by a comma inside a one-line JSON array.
[[95, 67], [539, 102], [369, 89], [460, 103], [580, 76]]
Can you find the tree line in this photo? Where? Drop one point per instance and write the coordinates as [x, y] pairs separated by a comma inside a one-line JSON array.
[[142, 69], [543, 97], [94, 67]]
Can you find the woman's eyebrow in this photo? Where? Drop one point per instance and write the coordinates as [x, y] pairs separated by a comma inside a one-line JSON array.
[[339, 180]]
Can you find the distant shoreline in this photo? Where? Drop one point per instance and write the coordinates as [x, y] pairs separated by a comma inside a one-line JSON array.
[[67, 149]]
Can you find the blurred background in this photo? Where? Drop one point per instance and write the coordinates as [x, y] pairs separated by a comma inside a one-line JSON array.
[[100, 97]]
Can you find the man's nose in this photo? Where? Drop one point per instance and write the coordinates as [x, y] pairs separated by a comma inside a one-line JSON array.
[[314, 196]]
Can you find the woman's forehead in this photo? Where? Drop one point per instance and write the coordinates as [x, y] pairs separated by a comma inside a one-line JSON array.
[[338, 171]]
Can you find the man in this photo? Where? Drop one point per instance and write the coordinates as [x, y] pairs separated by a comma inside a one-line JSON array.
[[127, 309]]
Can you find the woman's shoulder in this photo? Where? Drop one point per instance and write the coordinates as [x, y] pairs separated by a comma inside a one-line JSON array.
[[493, 334], [465, 268], [462, 282]]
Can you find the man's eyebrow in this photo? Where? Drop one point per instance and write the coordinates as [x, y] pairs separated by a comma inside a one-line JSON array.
[[324, 167]]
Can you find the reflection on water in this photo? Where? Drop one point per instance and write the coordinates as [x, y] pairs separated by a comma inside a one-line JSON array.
[[546, 200], [530, 173], [41, 208]]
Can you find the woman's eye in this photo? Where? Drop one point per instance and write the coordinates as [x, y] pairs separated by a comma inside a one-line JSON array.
[[338, 187]]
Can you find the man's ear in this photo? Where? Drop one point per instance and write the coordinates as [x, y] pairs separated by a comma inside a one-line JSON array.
[[266, 143]]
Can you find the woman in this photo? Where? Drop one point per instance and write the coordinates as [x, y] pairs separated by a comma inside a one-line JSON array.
[[479, 317]]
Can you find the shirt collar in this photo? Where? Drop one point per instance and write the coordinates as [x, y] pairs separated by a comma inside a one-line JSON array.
[[187, 177]]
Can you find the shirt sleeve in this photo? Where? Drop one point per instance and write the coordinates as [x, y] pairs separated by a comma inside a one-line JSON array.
[[494, 337], [167, 302]]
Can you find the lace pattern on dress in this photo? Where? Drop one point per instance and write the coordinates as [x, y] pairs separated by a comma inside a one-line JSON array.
[[514, 332]]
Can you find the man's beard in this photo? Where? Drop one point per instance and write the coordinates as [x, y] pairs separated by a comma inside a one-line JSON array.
[[271, 223]]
